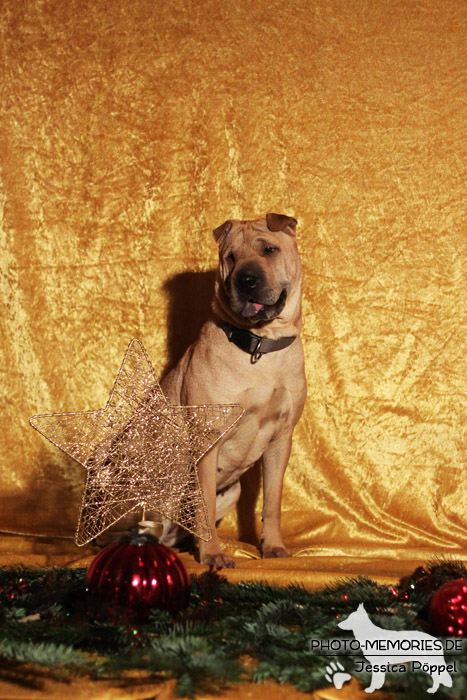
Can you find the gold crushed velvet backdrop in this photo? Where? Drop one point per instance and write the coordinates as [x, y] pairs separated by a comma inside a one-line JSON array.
[[129, 130]]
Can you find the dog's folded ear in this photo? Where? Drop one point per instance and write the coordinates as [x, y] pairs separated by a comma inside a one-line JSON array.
[[281, 222], [222, 230]]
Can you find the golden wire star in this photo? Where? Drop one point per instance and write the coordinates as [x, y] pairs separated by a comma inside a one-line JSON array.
[[139, 451]]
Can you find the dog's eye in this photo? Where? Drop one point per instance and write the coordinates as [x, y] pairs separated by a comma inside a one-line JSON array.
[[231, 257], [269, 250]]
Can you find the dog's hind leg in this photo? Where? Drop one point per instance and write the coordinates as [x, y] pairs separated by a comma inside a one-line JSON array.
[[172, 534], [226, 499]]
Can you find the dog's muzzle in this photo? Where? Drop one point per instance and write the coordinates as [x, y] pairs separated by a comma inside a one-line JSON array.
[[253, 298]]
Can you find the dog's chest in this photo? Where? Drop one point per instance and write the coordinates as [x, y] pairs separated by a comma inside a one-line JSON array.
[[268, 414]]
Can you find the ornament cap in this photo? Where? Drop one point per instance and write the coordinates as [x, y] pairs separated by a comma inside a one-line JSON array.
[[139, 538], [150, 527]]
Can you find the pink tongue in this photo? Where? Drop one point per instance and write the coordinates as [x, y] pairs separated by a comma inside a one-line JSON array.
[[251, 308]]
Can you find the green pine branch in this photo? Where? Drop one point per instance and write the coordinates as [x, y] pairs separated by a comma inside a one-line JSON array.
[[49, 621]]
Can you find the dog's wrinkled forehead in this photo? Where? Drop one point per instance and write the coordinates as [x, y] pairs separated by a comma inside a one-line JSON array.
[[247, 230], [268, 244]]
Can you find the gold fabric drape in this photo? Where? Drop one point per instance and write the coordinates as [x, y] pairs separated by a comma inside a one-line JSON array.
[[128, 131]]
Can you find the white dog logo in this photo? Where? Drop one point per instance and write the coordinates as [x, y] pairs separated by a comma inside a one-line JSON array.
[[385, 649]]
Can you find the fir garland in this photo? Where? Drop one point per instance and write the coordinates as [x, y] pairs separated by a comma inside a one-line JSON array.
[[49, 621]]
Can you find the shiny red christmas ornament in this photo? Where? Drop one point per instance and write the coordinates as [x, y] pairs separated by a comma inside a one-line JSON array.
[[447, 613], [138, 574]]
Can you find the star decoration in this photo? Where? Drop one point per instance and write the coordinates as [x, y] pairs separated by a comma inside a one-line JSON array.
[[139, 451]]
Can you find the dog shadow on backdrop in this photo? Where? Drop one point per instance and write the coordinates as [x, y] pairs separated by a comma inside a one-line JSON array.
[[189, 306]]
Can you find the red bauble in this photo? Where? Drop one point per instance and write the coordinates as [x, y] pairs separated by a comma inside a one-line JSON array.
[[138, 574], [447, 613]]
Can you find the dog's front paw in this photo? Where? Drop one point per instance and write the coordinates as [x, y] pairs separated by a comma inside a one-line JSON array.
[[274, 551], [217, 561]]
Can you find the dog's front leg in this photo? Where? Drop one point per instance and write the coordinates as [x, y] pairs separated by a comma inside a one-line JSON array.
[[210, 552], [275, 460]]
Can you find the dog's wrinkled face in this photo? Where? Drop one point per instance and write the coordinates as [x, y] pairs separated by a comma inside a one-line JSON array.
[[258, 267]]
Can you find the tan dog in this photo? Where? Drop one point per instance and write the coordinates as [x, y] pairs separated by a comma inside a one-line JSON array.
[[250, 354]]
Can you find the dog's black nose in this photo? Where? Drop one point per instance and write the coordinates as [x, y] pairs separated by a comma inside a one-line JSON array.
[[247, 282]]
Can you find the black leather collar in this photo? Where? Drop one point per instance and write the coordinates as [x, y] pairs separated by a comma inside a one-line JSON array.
[[254, 345]]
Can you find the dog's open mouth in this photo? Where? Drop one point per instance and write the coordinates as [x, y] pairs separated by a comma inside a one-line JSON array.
[[253, 308]]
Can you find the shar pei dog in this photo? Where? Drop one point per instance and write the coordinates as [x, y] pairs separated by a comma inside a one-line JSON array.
[[249, 353]]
